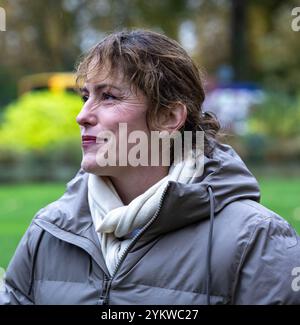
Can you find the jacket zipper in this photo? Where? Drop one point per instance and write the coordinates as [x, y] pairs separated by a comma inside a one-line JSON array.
[[107, 279], [105, 289]]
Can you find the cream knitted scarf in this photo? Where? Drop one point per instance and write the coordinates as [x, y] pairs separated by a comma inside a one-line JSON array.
[[114, 221]]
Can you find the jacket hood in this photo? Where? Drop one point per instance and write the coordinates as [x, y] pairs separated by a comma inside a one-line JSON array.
[[227, 176], [183, 204]]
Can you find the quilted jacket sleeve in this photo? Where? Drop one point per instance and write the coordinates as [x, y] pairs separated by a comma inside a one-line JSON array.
[[16, 289], [269, 272]]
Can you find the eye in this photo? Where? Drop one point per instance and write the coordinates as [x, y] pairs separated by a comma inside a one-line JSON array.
[[85, 98], [108, 96]]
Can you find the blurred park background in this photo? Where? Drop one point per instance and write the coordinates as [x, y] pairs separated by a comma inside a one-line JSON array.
[[247, 50]]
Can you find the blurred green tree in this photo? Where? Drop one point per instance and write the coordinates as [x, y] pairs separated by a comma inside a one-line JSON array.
[[45, 36], [40, 120]]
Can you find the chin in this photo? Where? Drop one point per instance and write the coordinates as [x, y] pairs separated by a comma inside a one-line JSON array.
[[89, 165]]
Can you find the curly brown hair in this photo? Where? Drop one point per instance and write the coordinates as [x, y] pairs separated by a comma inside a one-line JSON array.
[[161, 69]]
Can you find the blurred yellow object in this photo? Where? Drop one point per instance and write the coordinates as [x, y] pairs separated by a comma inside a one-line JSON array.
[[54, 81]]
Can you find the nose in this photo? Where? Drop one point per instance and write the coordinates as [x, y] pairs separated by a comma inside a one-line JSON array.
[[86, 117]]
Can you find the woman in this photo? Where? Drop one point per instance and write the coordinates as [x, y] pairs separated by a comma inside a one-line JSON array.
[[139, 233]]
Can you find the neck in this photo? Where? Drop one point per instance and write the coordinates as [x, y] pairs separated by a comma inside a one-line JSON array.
[[136, 180]]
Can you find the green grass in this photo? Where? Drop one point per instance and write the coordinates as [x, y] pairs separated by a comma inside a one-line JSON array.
[[19, 203], [282, 196]]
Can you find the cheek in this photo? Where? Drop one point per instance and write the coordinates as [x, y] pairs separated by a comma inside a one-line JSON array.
[[135, 119], [133, 116]]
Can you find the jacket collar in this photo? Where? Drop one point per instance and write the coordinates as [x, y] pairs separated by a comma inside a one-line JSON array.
[[228, 177], [69, 219], [183, 204]]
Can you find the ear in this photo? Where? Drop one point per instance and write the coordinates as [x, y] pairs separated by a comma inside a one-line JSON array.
[[173, 117]]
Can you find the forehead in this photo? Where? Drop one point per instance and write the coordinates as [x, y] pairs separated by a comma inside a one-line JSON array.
[[106, 76], [100, 75]]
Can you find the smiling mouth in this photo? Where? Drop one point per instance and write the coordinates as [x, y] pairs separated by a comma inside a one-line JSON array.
[[88, 140]]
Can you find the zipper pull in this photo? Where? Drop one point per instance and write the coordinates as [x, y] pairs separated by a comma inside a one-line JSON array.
[[105, 290]]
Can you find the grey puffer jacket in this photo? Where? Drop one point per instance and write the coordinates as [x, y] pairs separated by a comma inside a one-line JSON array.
[[209, 242]]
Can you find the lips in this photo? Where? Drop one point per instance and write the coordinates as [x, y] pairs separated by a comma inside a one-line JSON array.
[[88, 140]]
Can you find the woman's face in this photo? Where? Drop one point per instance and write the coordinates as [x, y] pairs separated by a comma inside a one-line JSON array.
[[109, 101]]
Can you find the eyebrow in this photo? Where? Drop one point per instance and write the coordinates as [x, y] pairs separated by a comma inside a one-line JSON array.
[[100, 87]]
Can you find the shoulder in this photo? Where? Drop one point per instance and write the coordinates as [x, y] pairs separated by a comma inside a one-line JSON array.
[[28, 243], [248, 217], [266, 255], [246, 227], [71, 208], [241, 223]]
